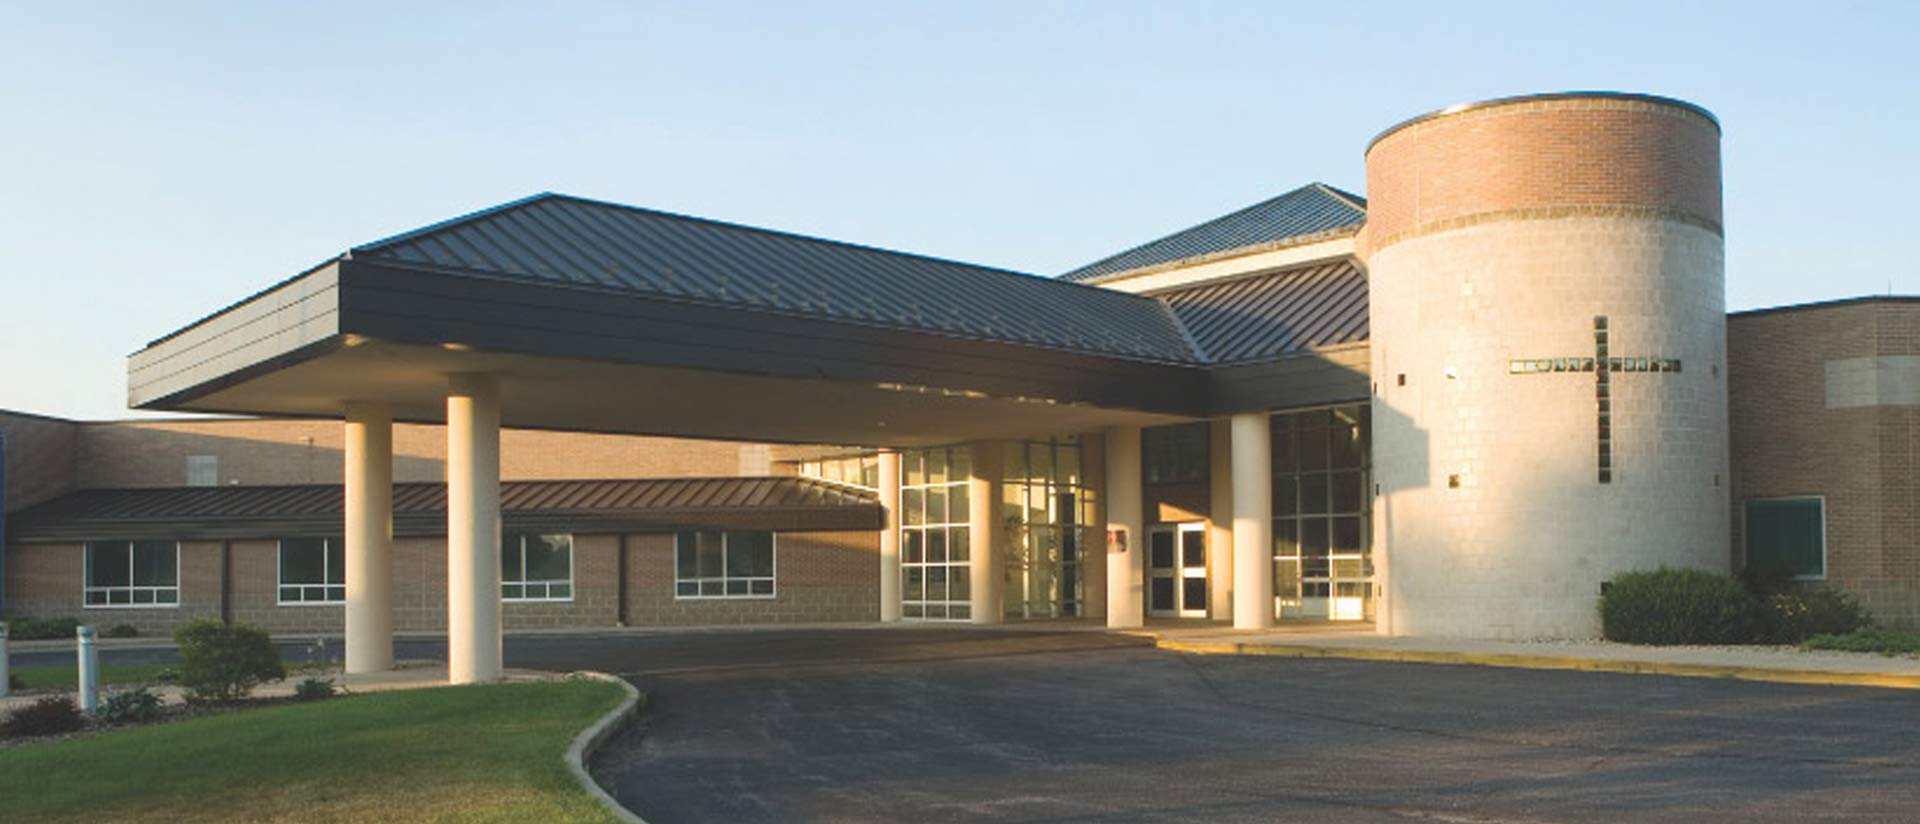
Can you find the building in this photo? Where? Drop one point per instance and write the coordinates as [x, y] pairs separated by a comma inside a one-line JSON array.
[[1457, 407]]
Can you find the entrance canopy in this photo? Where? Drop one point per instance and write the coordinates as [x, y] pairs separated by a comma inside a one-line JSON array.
[[609, 318]]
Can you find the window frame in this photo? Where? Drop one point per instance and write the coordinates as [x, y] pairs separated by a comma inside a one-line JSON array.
[[280, 575], [86, 548], [546, 583], [772, 579], [1746, 535]]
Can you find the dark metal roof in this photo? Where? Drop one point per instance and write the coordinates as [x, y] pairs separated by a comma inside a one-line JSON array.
[[419, 509], [564, 240], [1313, 209], [1272, 315]]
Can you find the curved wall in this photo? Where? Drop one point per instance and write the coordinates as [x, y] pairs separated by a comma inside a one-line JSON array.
[[1498, 233]]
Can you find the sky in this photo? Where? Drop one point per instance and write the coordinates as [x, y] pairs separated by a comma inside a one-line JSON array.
[[161, 161]]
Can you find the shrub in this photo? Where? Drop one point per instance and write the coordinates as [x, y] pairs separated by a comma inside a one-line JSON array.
[[1870, 639], [28, 629], [135, 706], [222, 663], [167, 675], [314, 689], [121, 631], [48, 716], [1676, 606], [14, 682], [1792, 615]]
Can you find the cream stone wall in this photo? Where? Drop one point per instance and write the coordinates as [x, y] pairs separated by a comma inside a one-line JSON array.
[[1521, 546]]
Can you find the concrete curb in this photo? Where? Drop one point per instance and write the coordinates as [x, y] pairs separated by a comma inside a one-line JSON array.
[[590, 739], [1550, 662]]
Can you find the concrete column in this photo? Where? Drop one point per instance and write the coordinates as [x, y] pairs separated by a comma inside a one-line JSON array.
[[984, 534], [1220, 519], [473, 529], [890, 536], [369, 537], [1252, 521], [1126, 571]]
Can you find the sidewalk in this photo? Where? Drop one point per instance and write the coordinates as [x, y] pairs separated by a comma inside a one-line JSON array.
[[406, 675], [1360, 642]]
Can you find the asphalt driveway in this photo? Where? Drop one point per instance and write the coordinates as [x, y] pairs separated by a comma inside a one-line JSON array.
[[971, 725]]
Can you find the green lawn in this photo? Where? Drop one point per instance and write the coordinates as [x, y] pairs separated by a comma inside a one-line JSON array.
[[484, 753], [68, 678]]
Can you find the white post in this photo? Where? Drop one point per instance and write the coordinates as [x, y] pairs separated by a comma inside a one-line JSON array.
[[6, 674], [1252, 521], [89, 672], [1126, 557], [889, 536], [369, 537], [473, 529], [986, 578]]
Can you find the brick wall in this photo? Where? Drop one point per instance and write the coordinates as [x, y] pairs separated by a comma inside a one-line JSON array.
[[40, 458], [1788, 440], [819, 576], [44, 581]]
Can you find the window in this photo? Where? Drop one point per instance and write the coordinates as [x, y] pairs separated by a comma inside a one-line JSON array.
[[1044, 506], [1322, 512], [132, 574], [1174, 454], [935, 545], [536, 567], [855, 470], [1787, 536], [733, 564], [313, 571], [203, 470]]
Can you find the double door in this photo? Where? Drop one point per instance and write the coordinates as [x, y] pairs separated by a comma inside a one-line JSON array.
[[1177, 570]]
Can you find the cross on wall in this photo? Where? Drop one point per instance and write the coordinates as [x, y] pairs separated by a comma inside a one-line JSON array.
[[1603, 365]]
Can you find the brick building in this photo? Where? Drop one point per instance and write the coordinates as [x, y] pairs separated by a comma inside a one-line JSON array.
[[1456, 408]]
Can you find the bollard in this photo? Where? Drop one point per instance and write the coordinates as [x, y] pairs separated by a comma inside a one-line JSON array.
[[6, 674], [89, 672]]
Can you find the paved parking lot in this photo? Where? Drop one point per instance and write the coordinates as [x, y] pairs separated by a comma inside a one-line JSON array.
[[966, 725]]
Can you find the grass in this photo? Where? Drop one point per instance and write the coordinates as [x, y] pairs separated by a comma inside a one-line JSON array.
[[68, 678], [1868, 640], [481, 753]]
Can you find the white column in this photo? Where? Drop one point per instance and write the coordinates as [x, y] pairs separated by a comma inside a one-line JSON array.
[[983, 534], [1252, 521], [369, 537], [473, 529], [1126, 571], [889, 536]]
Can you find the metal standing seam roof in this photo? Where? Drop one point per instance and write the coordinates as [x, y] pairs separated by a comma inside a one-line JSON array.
[[1272, 315], [575, 242], [76, 512], [1309, 210]]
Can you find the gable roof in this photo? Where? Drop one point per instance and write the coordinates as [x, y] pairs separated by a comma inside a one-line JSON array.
[[570, 241], [1274, 315], [419, 509], [1313, 209]]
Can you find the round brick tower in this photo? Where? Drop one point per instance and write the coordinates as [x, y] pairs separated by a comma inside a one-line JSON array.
[[1548, 351]]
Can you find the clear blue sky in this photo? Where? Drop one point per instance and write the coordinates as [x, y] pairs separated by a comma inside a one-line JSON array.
[[159, 161]]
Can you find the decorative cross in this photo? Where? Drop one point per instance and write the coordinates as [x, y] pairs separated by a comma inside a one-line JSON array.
[[1602, 365]]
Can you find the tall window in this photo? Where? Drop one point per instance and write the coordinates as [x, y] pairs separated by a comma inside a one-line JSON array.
[[934, 543], [313, 571], [536, 567], [1174, 454], [730, 564], [132, 574], [1045, 508], [1321, 506], [1787, 537]]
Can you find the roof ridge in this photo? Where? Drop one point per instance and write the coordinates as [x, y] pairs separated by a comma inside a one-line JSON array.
[[1343, 198]]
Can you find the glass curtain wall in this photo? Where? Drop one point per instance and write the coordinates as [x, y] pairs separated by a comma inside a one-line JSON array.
[[1045, 508], [934, 542], [1323, 566]]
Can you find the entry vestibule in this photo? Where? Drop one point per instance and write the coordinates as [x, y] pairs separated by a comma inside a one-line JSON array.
[[1177, 570]]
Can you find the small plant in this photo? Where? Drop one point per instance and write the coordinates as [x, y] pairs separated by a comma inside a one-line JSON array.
[[51, 715], [1676, 606], [314, 689], [121, 631], [23, 628], [168, 675], [135, 706], [1794, 614], [224, 663]]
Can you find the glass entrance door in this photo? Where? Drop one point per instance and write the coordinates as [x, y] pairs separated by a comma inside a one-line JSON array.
[[1177, 570]]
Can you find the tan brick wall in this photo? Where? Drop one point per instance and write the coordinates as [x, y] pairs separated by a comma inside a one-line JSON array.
[[1541, 155], [44, 581], [1788, 442], [269, 452], [40, 458], [819, 576]]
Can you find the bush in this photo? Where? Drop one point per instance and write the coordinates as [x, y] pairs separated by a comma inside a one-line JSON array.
[[135, 706], [1676, 606], [28, 629], [1793, 615], [48, 716], [314, 689], [222, 663], [1869, 639], [167, 675], [121, 631], [14, 682]]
